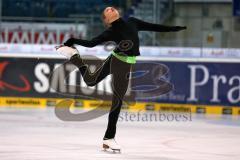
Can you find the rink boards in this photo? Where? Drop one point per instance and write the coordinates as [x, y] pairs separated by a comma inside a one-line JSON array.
[[200, 85], [41, 103]]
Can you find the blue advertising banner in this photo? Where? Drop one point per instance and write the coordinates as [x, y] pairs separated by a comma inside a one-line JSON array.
[[203, 83], [196, 83]]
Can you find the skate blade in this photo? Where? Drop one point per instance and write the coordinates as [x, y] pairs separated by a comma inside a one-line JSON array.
[[116, 150], [110, 151]]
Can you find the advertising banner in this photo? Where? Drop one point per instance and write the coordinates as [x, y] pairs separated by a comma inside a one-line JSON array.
[[39, 33], [202, 83]]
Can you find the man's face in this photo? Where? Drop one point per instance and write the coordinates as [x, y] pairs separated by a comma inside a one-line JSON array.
[[110, 14]]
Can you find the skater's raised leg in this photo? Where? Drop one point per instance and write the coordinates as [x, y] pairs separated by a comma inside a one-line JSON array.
[[90, 78]]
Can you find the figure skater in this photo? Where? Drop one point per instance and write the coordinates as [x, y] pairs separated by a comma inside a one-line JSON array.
[[119, 63]]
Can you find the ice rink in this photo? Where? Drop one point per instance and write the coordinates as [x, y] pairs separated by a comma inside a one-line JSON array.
[[37, 134]]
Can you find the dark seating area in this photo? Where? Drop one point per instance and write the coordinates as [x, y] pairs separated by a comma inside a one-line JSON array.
[[54, 8]]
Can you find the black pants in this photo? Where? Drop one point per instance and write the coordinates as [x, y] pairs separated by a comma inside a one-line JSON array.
[[120, 78]]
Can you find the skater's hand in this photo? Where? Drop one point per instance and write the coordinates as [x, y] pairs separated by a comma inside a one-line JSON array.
[[179, 28], [57, 47], [69, 42]]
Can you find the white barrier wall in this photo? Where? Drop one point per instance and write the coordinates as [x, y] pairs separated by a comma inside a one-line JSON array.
[[46, 50]]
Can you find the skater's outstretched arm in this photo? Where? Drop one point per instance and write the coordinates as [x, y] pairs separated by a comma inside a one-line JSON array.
[[103, 37], [145, 26]]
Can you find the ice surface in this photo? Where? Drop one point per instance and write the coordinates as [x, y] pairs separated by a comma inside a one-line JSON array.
[[34, 134]]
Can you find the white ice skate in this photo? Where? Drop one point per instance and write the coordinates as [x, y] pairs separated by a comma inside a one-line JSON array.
[[66, 51], [111, 144]]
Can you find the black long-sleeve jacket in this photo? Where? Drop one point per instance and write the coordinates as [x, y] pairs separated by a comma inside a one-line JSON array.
[[124, 34]]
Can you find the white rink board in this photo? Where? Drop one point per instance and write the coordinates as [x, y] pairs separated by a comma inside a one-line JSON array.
[[48, 50], [31, 134]]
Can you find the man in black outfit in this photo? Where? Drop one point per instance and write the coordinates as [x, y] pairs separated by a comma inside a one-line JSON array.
[[119, 63]]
